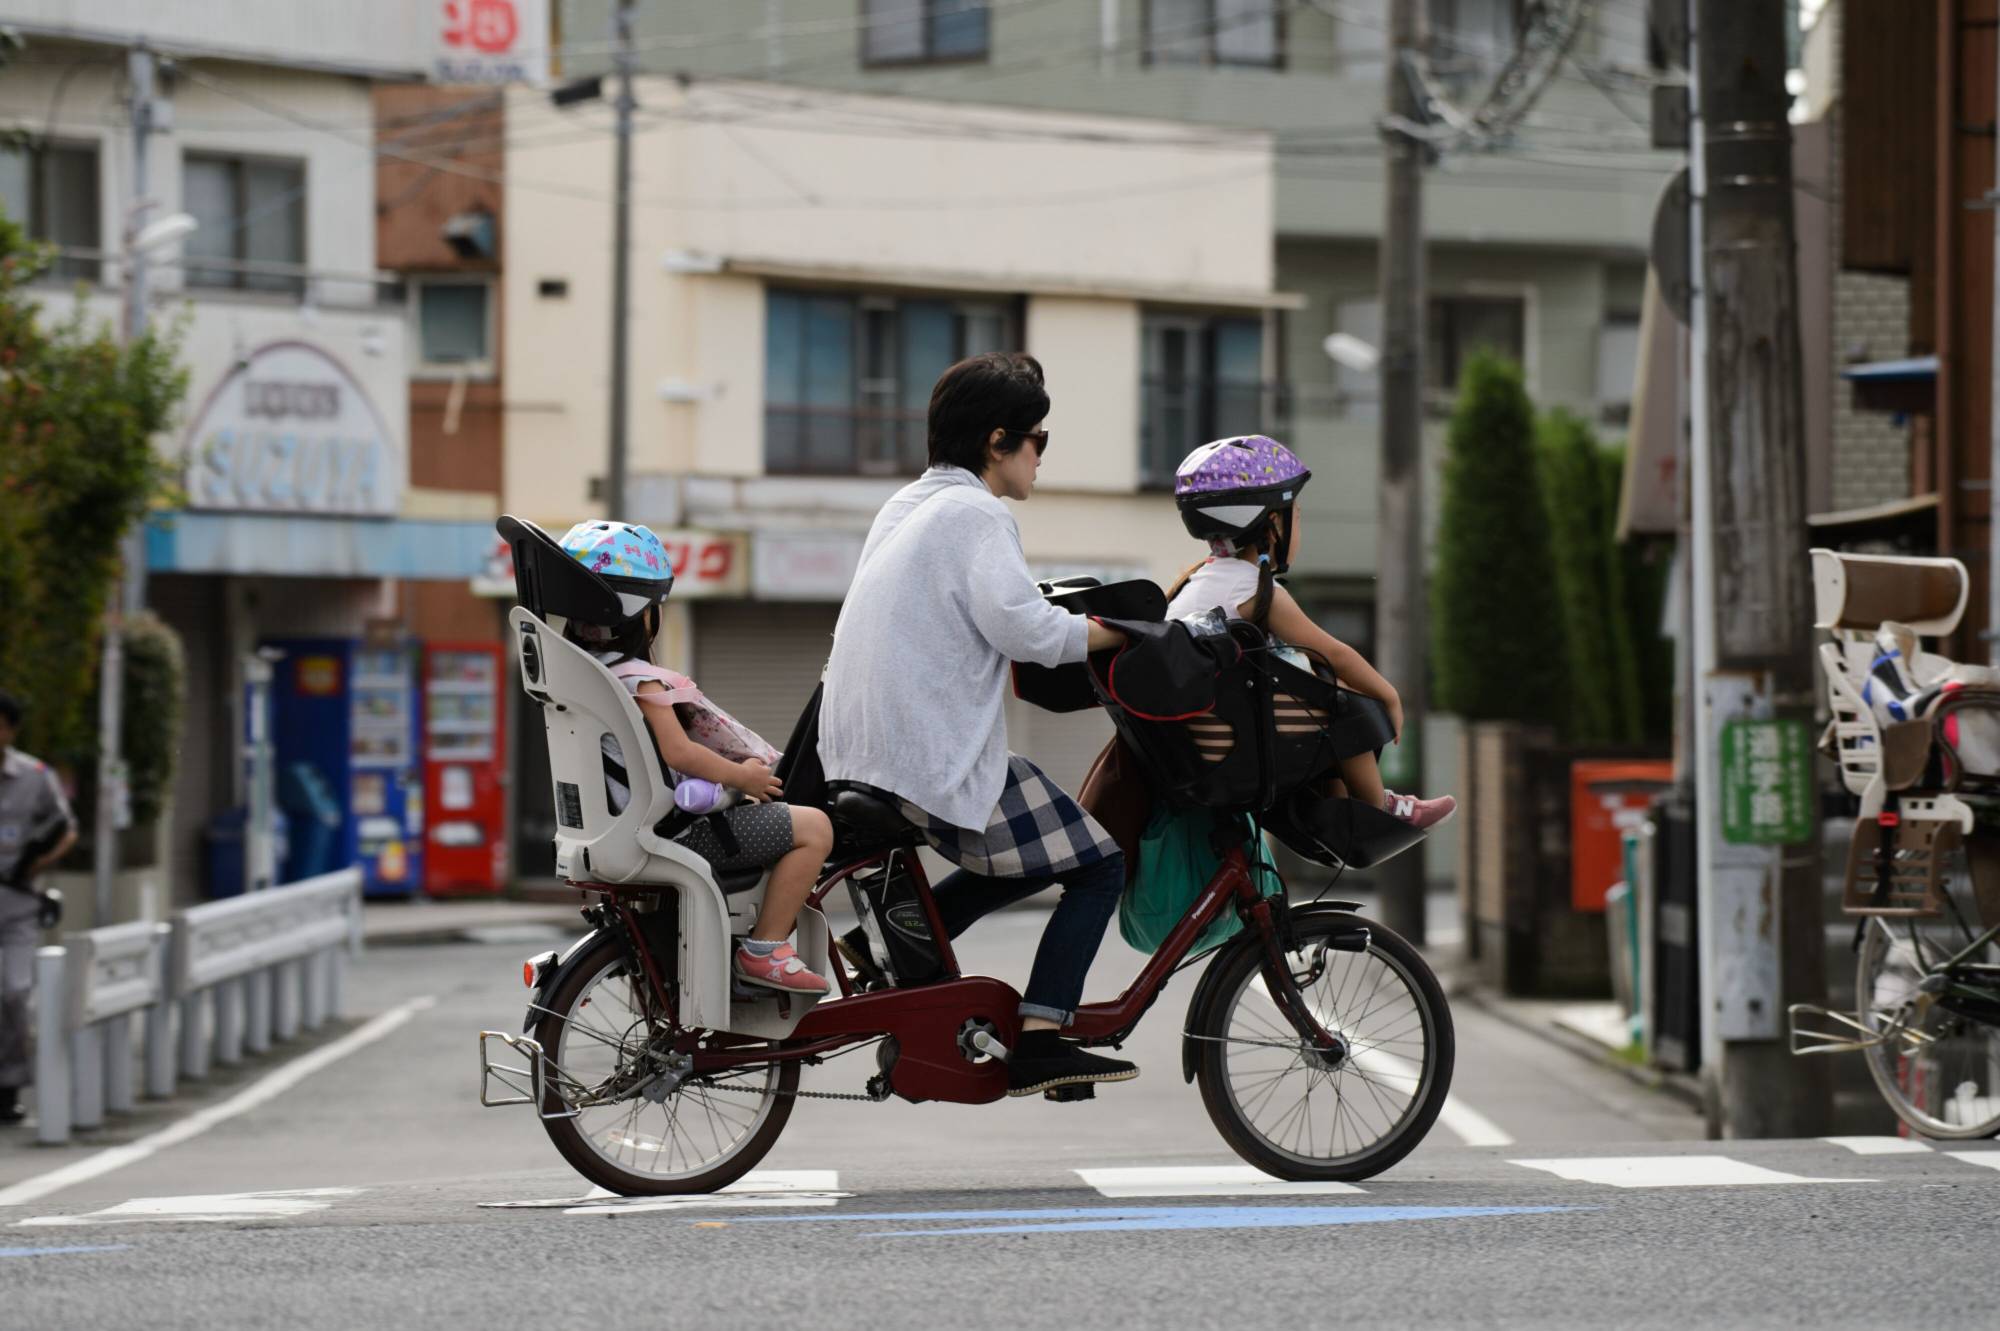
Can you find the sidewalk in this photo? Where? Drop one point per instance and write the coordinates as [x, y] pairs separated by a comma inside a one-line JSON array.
[[1591, 1030], [408, 923]]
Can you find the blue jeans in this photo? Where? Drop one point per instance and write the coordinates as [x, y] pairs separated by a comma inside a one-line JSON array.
[[1069, 944]]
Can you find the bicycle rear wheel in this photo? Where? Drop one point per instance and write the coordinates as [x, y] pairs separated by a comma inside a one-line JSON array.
[[1937, 1065], [639, 1130], [1296, 1115]]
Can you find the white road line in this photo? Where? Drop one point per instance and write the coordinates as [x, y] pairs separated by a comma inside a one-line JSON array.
[[1200, 1181], [1880, 1145], [225, 1206], [1670, 1171], [1471, 1127], [1987, 1159], [266, 1088], [771, 1187]]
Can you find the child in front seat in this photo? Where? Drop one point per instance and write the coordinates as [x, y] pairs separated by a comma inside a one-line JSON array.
[[1240, 495], [697, 739]]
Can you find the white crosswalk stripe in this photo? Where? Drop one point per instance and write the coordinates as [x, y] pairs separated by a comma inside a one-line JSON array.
[[1201, 1181], [1880, 1145], [770, 1187], [217, 1207], [1984, 1159], [1671, 1171]]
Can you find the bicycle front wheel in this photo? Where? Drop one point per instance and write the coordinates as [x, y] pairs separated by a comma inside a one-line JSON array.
[[1297, 1114], [1936, 1063]]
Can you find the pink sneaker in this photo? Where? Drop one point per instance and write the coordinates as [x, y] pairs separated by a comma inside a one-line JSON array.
[[1420, 814], [781, 970]]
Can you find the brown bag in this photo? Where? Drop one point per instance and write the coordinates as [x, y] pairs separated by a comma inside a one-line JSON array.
[[1115, 793]]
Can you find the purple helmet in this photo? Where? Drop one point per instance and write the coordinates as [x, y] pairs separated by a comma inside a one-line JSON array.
[[1229, 492]]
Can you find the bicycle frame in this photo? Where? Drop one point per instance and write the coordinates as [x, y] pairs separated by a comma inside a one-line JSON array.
[[930, 1025]]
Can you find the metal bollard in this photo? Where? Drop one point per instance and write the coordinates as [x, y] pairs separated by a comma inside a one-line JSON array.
[[257, 1022], [336, 985], [159, 1037], [315, 990], [52, 1085], [229, 1022], [285, 1003], [194, 1036], [118, 1097], [86, 1062]]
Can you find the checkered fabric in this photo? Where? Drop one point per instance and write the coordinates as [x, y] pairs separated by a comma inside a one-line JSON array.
[[1035, 829]]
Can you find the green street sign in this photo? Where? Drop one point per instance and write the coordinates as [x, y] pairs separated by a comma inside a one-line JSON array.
[[1767, 783]]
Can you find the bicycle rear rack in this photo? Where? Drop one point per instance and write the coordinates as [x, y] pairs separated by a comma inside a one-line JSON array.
[[512, 1079]]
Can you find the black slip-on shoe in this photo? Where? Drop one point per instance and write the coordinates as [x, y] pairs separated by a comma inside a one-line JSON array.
[[1043, 1065]]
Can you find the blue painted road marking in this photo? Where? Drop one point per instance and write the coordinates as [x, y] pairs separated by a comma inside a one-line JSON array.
[[50, 1252], [1105, 1219]]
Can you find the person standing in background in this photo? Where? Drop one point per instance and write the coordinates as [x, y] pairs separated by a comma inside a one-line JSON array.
[[36, 830]]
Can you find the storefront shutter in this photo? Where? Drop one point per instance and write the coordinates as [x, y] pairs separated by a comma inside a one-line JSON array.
[[759, 660]]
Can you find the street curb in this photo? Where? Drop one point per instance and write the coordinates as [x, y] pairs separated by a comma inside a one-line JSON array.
[[450, 931], [1679, 1085]]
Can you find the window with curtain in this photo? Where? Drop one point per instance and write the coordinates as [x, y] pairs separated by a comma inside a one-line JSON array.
[[252, 211], [1214, 32], [902, 32], [1201, 378], [51, 190], [848, 376]]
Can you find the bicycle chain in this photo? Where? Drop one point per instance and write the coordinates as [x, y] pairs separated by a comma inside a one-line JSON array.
[[801, 1095]]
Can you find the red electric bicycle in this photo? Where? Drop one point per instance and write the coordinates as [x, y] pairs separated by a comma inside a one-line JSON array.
[[1322, 1042]]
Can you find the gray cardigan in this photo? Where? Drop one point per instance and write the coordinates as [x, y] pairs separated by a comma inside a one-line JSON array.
[[942, 601]]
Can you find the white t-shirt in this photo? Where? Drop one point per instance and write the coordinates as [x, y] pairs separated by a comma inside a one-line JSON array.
[[1229, 583]]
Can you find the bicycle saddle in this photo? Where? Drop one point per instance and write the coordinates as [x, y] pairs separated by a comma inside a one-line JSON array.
[[869, 814]]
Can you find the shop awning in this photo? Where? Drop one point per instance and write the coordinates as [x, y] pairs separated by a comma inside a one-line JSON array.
[[306, 546]]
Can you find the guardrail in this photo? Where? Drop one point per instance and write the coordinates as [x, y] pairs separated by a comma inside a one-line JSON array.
[[220, 981]]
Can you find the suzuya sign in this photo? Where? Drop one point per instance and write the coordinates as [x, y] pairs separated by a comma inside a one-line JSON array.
[[290, 430]]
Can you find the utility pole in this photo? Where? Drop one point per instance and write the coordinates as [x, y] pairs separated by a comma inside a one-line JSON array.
[[1760, 902], [129, 594], [621, 269], [1399, 541]]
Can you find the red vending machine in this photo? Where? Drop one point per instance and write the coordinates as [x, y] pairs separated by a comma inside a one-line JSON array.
[[465, 844]]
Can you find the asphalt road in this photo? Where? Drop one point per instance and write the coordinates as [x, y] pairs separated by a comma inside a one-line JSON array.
[[1555, 1194]]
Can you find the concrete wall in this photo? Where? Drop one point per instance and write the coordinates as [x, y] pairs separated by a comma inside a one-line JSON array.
[[779, 201], [389, 37], [339, 198], [1558, 189]]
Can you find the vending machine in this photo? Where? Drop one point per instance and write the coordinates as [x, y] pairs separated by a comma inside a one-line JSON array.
[[465, 848], [349, 711]]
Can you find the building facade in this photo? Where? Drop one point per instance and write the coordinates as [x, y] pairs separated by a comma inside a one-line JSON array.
[[303, 513]]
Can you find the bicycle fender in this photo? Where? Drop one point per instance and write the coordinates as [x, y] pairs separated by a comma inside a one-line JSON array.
[[554, 966], [1190, 1046]]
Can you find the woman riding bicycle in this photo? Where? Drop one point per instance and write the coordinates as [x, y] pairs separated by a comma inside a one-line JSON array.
[[942, 602]]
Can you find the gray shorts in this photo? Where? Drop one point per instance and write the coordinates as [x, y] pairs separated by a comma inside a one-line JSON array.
[[763, 833]]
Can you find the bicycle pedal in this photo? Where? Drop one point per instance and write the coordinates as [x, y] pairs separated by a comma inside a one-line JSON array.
[[1064, 1094]]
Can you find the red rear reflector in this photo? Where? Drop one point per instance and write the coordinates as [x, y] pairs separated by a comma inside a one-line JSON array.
[[528, 973]]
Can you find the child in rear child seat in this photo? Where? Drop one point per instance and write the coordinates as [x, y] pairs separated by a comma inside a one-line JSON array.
[[695, 738], [1240, 495]]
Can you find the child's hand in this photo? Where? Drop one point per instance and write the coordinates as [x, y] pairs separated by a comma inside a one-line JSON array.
[[755, 780]]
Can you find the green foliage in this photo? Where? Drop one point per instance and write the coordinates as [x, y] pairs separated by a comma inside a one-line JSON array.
[[1497, 635], [154, 697], [78, 412], [1580, 490]]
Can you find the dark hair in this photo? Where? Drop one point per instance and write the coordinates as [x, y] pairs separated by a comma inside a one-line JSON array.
[[1267, 581], [994, 390], [631, 640], [10, 708]]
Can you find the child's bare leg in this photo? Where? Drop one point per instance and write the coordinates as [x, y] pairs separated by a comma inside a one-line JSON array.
[[792, 877], [1364, 779]]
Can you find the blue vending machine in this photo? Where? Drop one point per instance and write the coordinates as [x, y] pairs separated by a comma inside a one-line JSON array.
[[349, 710]]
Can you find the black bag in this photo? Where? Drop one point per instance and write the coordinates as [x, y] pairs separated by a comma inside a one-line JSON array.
[[799, 768]]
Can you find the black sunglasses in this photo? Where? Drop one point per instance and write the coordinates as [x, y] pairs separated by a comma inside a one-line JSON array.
[[1039, 438]]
